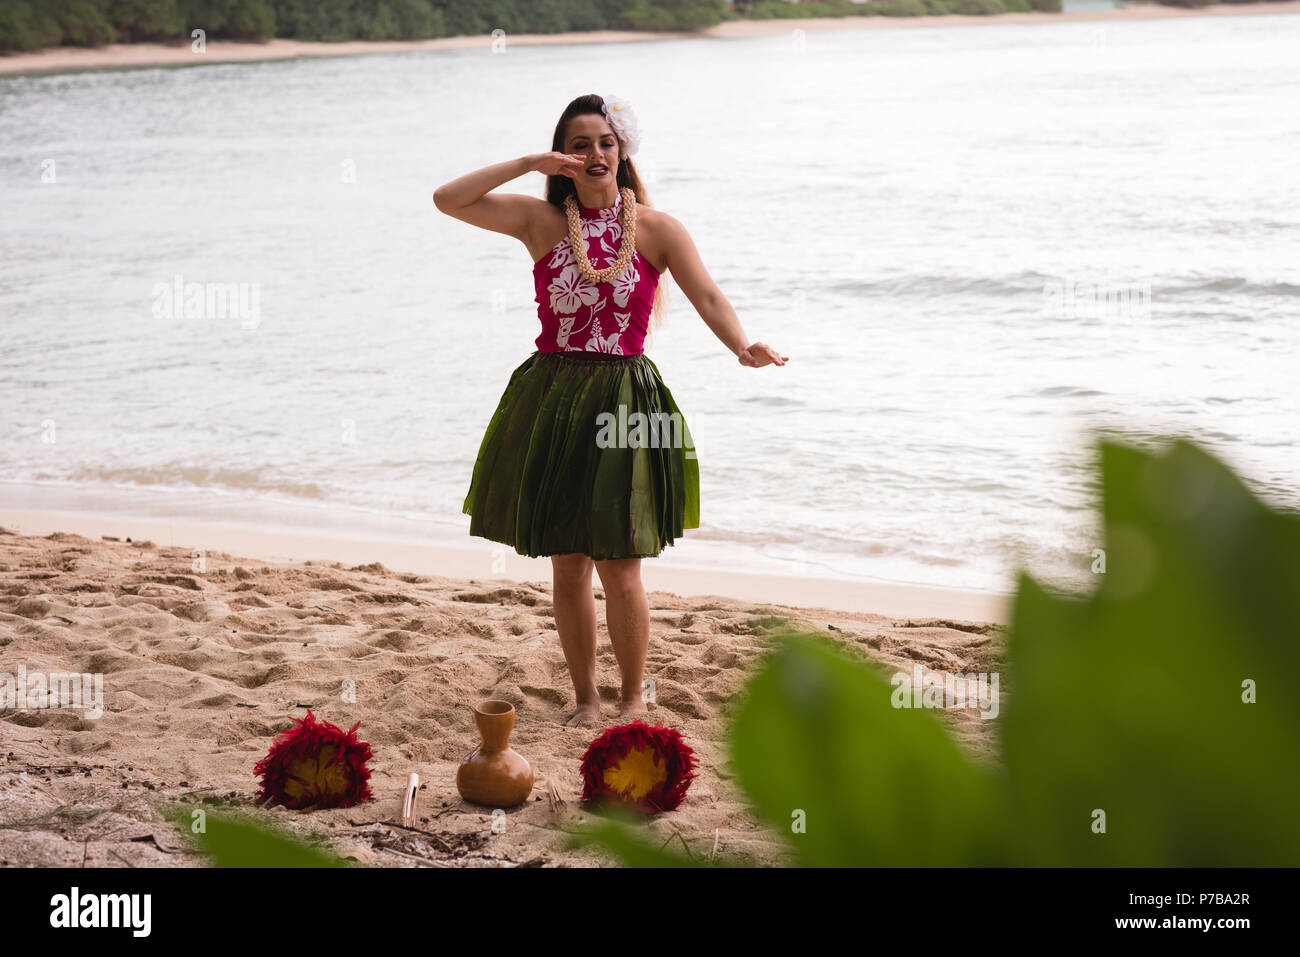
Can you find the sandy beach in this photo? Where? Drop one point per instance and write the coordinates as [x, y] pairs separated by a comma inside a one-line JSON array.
[[203, 665], [133, 55]]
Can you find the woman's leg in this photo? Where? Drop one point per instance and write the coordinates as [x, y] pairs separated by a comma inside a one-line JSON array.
[[627, 613], [575, 620]]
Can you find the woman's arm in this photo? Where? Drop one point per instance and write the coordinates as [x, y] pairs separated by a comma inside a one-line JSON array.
[[470, 198], [688, 270]]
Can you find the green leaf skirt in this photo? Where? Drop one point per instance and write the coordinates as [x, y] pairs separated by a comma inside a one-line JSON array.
[[586, 453]]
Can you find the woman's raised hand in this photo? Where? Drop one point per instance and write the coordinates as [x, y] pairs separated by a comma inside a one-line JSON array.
[[761, 354], [560, 164]]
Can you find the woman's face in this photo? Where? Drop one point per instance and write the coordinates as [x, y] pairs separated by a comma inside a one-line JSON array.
[[591, 136]]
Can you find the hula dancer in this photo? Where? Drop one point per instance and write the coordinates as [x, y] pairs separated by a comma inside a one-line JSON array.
[[587, 458]]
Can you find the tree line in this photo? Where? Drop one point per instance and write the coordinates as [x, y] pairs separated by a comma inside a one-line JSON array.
[[29, 24]]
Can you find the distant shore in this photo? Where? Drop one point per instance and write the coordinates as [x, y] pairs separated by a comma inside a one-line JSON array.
[[136, 55]]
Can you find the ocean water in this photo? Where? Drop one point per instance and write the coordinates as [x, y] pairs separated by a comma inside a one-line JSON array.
[[980, 247]]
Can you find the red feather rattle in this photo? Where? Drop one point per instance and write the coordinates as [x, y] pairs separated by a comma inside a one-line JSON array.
[[638, 767]]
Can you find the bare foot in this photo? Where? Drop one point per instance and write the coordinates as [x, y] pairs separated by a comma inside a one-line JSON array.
[[587, 714], [631, 707]]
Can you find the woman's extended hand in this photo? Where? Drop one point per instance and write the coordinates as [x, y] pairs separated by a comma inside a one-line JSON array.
[[760, 354], [560, 164]]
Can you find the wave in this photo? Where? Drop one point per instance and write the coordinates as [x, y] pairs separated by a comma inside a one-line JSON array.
[[1028, 283], [1236, 285], [188, 478], [230, 502], [1031, 283], [1072, 391]]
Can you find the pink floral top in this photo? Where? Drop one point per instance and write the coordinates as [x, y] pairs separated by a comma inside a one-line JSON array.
[[578, 316]]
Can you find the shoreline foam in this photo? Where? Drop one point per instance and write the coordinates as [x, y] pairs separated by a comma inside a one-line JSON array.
[[481, 560]]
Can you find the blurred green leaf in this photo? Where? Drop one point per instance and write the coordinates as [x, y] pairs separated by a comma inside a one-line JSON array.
[[619, 836], [818, 742], [1129, 703], [239, 841]]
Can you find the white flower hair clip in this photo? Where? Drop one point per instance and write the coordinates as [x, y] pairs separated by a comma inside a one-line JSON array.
[[618, 112]]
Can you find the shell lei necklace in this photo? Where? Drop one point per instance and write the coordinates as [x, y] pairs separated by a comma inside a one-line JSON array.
[[579, 245]]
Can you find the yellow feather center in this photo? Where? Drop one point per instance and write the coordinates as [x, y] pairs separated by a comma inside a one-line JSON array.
[[316, 775], [636, 773]]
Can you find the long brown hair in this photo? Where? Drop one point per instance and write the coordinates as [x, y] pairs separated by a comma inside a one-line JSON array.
[[560, 187]]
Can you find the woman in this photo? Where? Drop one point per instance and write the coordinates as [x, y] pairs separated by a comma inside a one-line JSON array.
[[558, 472]]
